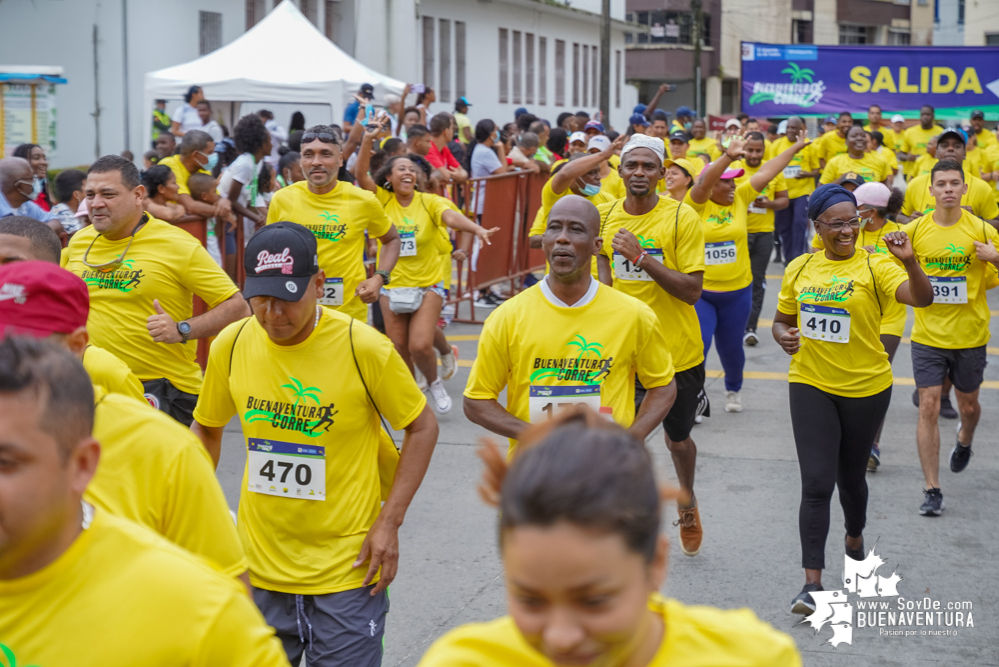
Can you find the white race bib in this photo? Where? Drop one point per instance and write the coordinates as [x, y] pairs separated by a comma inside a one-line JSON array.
[[792, 171], [546, 402], [722, 252], [756, 209], [823, 323], [285, 469], [408, 248], [332, 292], [625, 270], [949, 290]]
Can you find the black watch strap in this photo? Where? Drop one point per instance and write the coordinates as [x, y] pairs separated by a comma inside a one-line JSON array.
[[386, 278]]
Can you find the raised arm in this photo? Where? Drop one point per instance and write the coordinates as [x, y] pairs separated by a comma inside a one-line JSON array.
[[701, 192], [364, 179], [663, 87], [574, 169], [772, 167]]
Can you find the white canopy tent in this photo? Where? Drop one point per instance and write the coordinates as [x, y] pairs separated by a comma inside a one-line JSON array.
[[248, 70]]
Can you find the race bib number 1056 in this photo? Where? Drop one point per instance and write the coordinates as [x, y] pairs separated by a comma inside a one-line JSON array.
[[286, 469]]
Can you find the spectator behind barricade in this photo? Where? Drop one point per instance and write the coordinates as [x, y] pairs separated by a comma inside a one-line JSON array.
[[464, 132], [185, 117], [161, 194], [165, 145], [593, 129], [367, 92], [578, 142], [240, 183], [35, 155], [424, 100], [289, 169], [128, 155], [660, 124], [194, 155], [439, 155], [418, 140], [203, 189], [149, 158], [540, 128], [410, 117], [375, 163], [393, 105], [484, 160], [295, 130], [278, 135], [394, 146], [524, 122], [210, 126], [511, 130], [161, 119], [227, 155], [567, 122], [69, 190], [582, 118], [18, 191], [558, 144], [523, 154]]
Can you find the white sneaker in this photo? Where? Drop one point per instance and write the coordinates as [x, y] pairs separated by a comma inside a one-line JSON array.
[[750, 338], [421, 381], [698, 419], [442, 402], [449, 364], [733, 402]]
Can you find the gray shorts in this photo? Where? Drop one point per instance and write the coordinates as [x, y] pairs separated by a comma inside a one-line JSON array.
[[965, 367], [335, 630]]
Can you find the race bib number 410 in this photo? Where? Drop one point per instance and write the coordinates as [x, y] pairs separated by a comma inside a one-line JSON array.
[[545, 402], [286, 469], [822, 323], [949, 290], [624, 269]]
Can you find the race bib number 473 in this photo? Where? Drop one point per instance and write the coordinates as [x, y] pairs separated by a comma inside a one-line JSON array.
[[286, 469], [408, 247]]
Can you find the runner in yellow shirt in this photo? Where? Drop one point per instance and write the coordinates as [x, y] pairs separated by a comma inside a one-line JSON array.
[[340, 215], [840, 377], [143, 274], [915, 139], [857, 160], [957, 250], [570, 340], [680, 176], [724, 306], [310, 386], [984, 137], [665, 238], [70, 571], [977, 198], [833, 143], [791, 223], [876, 124], [701, 144], [584, 560], [876, 144], [924, 163], [610, 180]]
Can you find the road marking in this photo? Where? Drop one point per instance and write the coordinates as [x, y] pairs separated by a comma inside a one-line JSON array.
[[463, 337]]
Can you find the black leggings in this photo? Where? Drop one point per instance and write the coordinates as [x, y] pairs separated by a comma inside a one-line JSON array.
[[833, 436]]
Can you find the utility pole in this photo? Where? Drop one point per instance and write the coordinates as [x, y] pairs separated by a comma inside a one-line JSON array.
[[695, 33], [97, 102], [605, 48], [124, 67]]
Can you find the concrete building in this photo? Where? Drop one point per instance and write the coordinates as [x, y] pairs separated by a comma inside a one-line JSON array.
[[981, 25], [948, 22], [501, 54]]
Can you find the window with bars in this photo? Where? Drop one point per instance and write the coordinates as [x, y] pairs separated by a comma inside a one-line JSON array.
[[504, 65], [586, 74], [444, 89], [311, 10], [575, 74], [542, 70], [617, 79], [594, 57], [899, 37], [329, 19], [529, 61], [559, 73], [857, 34], [428, 51], [668, 27], [517, 68], [459, 58], [255, 10], [209, 31]]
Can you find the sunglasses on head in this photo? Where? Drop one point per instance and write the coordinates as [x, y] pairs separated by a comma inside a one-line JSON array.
[[324, 137]]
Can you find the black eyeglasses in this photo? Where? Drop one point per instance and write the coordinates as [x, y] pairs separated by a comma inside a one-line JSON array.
[[840, 225], [324, 137]]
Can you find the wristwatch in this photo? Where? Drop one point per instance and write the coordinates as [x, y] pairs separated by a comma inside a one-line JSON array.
[[386, 278], [184, 329]]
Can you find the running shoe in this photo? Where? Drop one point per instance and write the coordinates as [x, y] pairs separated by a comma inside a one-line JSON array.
[[691, 532], [947, 410], [733, 402], [421, 381], [804, 604], [960, 456], [486, 301], [750, 339], [449, 363], [934, 503], [875, 461], [855, 554], [438, 394], [915, 397]]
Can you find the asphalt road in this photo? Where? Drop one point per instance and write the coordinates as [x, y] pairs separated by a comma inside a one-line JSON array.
[[748, 489]]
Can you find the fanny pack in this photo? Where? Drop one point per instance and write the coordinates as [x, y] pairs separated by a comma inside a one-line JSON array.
[[404, 300]]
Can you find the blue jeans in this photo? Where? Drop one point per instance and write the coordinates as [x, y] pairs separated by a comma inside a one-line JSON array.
[[723, 315], [791, 224]]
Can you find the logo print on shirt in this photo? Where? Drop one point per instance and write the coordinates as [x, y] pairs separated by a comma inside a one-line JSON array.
[[268, 261], [957, 261], [646, 243], [588, 367], [722, 217], [123, 279], [841, 290], [334, 232], [299, 416], [13, 291]]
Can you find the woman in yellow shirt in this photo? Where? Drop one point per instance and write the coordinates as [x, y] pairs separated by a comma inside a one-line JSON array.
[[828, 319], [680, 178], [411, 304], [726, 298], [856, 160], [584, 560]]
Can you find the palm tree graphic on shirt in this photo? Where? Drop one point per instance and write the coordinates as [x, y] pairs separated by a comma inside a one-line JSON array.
[[301, 392]]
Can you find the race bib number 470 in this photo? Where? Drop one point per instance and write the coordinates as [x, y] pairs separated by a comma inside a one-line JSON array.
[[286, 469], [822, 323], [949, 290], [546, 402]]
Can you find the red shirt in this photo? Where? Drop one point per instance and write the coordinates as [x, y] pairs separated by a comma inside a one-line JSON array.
[[441, 158]]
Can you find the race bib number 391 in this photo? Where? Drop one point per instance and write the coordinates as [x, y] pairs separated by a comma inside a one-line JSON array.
[[286, 469], [822, 323], [546, 402], [949, 290]]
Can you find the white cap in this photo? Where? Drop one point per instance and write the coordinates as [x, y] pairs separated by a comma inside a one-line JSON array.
[[578, 136], [644, 141], [782, 127], [897, 118], [599, 142], [733, 121]]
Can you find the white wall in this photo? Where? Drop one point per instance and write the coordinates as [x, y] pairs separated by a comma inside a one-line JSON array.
[[751, 21], [948, 32]]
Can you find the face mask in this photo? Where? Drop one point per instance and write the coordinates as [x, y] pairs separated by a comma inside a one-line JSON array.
[[213, 160], [590, 190], [687, 126]]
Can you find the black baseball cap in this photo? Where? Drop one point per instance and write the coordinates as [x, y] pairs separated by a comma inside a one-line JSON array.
[[367, 90], [280, 261], [978, 113], [679, 135], [953, 132], [854, 178]]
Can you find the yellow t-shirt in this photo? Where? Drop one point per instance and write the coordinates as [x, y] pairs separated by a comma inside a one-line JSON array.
[[695, 636], [546, 355], [985, 138], [761, 219], [978, 197], [830, 145], [548, 199], [111, 373], [890, 157], [804, 160], [947, 255], [304, 515], [705, 146], [163, 605], [889, 134], [838, 305], [676, 231], [157, 473], [613, 185], [923, 165], [914, 140], [419, 225], [726, 245], [893, 319], [445, 247], [164, 263], [180, 172], [872, 167], [339, 220]]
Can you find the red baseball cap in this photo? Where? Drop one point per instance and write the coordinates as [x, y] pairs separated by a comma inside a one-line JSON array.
[[40, 298]]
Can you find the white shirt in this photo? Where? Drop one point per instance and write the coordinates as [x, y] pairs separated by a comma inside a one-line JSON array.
[[244, 171], [591, 293], [214, 130], [188, 118], [278, 137]]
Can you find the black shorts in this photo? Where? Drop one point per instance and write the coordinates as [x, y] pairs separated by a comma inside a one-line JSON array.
[[965, 367], [689, 394], [167, 398]]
